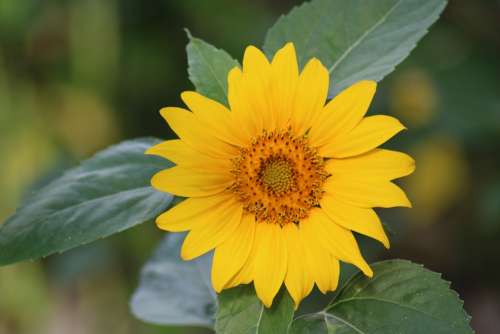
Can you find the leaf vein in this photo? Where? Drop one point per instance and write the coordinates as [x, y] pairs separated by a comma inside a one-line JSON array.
[[362, 37], [325, 315]]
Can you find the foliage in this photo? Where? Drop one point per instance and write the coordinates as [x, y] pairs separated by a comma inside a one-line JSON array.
[[240, 311], [402, 298], [175, 292], [104, 195], [356, 39], [208, 68]]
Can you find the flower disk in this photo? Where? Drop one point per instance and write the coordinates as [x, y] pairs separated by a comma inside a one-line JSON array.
[[277, 181], [279, 178]]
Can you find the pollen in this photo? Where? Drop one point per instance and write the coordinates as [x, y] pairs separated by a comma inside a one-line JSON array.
[[279, 177]]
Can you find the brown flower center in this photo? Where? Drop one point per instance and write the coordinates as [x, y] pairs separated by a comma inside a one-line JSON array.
[[279, 177]]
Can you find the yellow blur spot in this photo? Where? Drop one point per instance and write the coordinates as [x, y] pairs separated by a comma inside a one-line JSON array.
[[413, 97], [26, 147], [439, 180], [84, 122]]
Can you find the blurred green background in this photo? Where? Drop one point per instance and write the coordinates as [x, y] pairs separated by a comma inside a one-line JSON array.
[[77, 76]]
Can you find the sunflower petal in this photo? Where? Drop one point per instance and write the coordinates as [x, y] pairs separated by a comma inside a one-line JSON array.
[[245, 274], [284, 79], [243, 116], [186, 182], [196, 134], [298, 280], [193, 212], [376, 164], [311, 95], [366, 193], [211, 233], [183, 155], [361, 220], [337, 240], [215, 116], [324, 268], [270, 262], [231, 255], [342, 113], [256, 82], [371, 132]]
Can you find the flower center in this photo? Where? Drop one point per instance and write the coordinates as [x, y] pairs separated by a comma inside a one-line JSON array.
[[279, 177]]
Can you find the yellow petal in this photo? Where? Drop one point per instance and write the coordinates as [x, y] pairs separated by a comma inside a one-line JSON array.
[[298, 280], [337, 240], [284, 79], [270, 262], [231, 255], [342, 113], [371, 132], [212, 232], [366, 193], [323, 267], [255, 61], [376, 164], [256, 82], [193, 212], [196, 134], [361, 220], [216, 117], [246, 274], [244, 116], [311, 95], [186, 182], [183, 155]]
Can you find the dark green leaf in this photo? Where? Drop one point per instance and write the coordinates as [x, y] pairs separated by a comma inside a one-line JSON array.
[[241, 312], [175, 292], [208, 68], [106, 194], [402, 297], [355, 39]]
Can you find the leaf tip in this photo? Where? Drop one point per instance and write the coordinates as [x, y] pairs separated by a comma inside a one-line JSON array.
[[188, 33]]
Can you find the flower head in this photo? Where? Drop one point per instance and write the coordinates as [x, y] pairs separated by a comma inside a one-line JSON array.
[[277, 182]]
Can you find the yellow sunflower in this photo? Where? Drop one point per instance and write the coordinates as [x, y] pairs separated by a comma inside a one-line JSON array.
[[277, 182]]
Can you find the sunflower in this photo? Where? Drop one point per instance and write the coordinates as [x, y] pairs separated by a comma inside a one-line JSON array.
[[277, 182]]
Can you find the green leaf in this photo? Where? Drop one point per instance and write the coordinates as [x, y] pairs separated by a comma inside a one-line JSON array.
[[354, 39], [402, 297], [208, 68], [106, 194], [241, 312], [175, 292]]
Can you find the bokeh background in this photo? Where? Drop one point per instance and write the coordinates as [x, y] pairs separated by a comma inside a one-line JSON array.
[[77, 76]]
